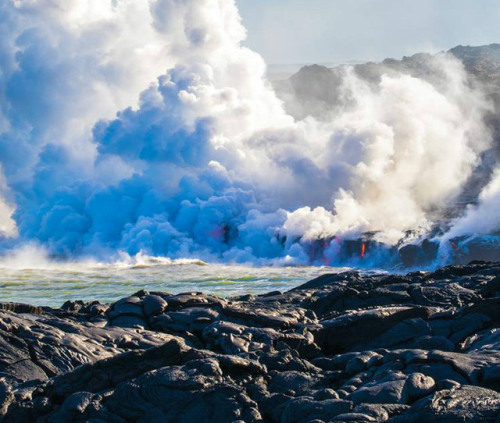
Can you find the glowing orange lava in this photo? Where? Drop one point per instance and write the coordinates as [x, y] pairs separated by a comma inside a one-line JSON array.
[[363, 250]]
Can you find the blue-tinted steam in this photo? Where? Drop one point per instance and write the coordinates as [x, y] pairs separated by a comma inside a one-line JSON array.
[[177, 202], [172, 142]]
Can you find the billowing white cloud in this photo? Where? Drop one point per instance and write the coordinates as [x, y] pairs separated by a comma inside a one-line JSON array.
[[147, 126]]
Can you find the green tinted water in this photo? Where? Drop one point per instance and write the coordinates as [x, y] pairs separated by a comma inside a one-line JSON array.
[[52, 284]]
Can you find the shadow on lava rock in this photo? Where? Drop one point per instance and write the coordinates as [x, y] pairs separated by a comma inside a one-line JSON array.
[[346, 347]]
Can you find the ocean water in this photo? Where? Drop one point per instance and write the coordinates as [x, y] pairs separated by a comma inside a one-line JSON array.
[[52, 283]]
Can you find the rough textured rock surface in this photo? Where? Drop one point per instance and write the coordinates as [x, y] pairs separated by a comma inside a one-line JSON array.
[[341, 348]]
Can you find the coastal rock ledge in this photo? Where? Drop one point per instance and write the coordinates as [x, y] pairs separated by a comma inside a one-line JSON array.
[[423, 347]]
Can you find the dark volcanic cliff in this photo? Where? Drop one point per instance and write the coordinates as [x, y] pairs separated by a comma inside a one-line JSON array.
[[315, 89], [341, 348]]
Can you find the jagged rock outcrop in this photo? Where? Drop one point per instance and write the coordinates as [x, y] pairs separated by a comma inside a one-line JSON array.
[[341, 348]]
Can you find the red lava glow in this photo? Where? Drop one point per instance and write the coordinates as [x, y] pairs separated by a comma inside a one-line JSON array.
[[217, 233], [363, 250]]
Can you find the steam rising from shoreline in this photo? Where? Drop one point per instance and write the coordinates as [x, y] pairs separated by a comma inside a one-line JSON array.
[[169, 140]]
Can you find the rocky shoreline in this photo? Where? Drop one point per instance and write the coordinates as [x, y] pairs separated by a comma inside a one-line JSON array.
[[424, 347]]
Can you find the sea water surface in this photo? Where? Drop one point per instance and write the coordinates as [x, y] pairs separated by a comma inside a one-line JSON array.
[[52, 283]]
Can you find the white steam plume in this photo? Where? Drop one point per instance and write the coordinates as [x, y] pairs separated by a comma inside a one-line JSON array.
[[482, 219], [412, 147], [205, 161]]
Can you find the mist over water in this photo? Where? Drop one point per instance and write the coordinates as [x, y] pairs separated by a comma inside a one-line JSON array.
[[29, 276], [145, 127]]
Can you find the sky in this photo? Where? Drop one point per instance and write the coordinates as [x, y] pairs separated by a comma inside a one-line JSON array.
[[331, 31]]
